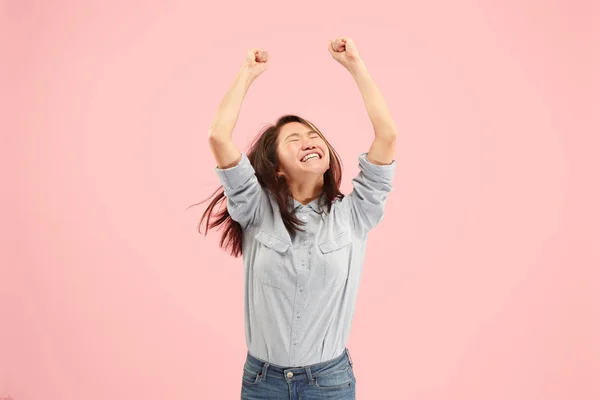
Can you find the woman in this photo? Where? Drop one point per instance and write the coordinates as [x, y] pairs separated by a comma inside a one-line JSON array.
[[302, 241]]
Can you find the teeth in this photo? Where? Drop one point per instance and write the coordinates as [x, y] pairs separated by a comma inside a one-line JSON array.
[[309, 156]]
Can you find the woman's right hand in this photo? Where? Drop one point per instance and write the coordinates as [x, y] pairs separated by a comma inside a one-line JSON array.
[[255, 63]]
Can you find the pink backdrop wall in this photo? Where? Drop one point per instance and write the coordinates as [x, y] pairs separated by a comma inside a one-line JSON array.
[[482, 282]]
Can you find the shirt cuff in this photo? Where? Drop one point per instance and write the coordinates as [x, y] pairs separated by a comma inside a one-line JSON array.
[[385, 172], [237, 175]]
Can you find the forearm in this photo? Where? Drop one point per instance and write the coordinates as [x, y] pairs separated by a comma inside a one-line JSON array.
[[228, 112], [379, 114]]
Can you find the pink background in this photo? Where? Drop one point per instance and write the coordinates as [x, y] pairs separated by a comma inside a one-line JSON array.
[[482, 282]]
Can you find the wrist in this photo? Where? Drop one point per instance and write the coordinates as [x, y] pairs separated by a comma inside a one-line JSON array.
[[245, 77], [356, 67]]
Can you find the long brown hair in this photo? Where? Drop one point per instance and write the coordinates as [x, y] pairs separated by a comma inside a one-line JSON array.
[[263, 157]]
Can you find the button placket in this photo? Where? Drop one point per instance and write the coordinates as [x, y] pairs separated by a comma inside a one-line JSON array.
[[303, 260]]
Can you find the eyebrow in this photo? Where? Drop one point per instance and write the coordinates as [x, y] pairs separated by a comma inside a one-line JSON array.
[[297, 134]]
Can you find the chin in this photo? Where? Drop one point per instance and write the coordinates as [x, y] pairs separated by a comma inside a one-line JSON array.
[[316, 166]]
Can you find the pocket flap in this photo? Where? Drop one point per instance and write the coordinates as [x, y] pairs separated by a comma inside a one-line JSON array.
[[341, 240], [272, 242]]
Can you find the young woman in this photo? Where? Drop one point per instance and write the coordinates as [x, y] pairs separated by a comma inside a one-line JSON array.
[[302, 241]]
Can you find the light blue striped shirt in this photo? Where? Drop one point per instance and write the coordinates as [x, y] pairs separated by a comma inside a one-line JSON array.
[[300, 294]]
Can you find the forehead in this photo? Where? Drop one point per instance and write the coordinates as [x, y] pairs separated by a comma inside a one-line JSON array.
[[294, 128]]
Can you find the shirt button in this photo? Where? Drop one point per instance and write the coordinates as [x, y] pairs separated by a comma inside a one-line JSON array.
[[290, 374], [295, 341], [304, 217], [297, 315], [301, 288]]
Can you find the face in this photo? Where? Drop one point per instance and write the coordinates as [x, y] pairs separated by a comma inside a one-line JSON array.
[[302, 152]]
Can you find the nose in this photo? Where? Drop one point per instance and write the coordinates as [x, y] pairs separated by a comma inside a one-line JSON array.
[[309, 145]]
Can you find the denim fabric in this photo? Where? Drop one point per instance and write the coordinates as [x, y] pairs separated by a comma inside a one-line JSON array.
[[333, 379]]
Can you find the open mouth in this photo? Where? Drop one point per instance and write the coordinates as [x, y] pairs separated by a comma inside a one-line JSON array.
[[310, 156]]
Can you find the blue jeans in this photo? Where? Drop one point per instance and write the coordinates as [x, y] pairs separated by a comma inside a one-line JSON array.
[[333, 379]]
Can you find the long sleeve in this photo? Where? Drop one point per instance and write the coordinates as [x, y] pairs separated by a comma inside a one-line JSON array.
[[245, 196], [371, 188]]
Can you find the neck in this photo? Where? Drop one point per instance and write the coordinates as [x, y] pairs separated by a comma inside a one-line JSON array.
[[306, 192]]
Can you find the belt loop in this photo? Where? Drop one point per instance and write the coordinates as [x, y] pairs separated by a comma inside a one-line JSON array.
[[264, 371], [308, 374], [348, 354]]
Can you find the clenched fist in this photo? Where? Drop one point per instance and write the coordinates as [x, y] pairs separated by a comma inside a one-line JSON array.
[[256, 62], [344, 51]]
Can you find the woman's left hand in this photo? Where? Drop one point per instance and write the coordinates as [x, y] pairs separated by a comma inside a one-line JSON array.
[[344, 51]]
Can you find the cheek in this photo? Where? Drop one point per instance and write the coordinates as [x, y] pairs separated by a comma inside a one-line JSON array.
[[288, 155]]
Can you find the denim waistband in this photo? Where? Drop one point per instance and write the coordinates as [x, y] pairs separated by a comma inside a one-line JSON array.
[[309, 370]]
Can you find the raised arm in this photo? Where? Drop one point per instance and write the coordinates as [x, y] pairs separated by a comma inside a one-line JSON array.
[[382, 150], [373, 183], [245, 196], [220, 139]]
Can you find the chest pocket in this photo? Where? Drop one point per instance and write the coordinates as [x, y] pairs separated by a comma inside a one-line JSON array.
[[270, 259], [336, 254]]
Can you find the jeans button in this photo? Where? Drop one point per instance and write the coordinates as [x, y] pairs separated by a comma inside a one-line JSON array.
[[289, 374]]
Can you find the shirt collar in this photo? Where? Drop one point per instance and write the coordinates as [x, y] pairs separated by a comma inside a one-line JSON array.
[[313, 204]]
